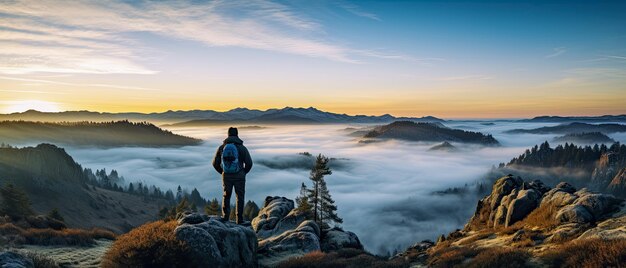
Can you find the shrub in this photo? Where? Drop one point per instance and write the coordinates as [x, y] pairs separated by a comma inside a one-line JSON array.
[[342, 258], [500, 257], [45, 237], [587, 253], [150, 245]]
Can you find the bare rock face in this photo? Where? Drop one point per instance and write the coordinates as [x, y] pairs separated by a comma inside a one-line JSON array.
[[606, 168], [218, 244], [511, 200], [617, 185], [336, 238], [275, 209]]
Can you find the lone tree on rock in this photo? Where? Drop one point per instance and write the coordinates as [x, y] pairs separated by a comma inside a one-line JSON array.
[[319, 199]]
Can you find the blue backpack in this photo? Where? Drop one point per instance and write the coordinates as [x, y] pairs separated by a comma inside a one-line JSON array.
[[230, 159]]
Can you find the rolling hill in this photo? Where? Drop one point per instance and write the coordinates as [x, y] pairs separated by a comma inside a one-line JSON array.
[[106, 134], [429, 132], [572, 128]]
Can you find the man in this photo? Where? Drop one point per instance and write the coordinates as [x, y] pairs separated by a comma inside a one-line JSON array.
[[233, 161]]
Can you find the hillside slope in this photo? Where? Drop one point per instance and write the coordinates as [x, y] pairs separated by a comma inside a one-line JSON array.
[[52, 179]]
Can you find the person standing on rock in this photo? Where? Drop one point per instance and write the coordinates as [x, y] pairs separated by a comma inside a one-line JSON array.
[[233, 161]]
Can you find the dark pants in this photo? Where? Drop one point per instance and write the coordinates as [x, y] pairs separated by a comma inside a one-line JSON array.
[[240, 191]]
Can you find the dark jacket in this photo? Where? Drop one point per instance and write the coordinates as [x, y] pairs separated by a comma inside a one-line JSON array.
[[244, 159]]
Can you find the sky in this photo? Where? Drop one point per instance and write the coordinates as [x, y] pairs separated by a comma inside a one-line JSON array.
[[451, 59]]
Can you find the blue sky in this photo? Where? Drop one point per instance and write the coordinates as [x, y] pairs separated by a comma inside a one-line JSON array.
[[449, 59]]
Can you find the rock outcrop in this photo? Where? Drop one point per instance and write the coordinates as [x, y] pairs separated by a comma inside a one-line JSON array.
[[10, 259], [512, 199], [218, 244], [285, 232], [336, 238], [617, 185], [607, 166], [540, 221]]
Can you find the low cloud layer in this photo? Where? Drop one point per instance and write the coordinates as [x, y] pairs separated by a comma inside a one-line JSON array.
[[383, 190]]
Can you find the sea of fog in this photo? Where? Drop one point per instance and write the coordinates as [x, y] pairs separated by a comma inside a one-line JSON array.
[[383, 190]]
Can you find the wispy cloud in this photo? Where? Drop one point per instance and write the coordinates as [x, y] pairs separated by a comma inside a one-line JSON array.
[[557, 52], [465, 77], [355, 10], [53, 82], [616, 57], [100, 36]]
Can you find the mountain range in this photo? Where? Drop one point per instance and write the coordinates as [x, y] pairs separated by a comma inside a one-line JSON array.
[[567, 119], [287, 115]]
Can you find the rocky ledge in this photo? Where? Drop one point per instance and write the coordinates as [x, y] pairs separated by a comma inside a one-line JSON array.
[[285, 232], [527, 224], [217, 244]]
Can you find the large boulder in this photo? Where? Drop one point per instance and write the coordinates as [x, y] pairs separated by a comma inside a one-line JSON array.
[[303, 239], [10, 259], [275, 209], [336, 238], [218, 244], [511, 200]]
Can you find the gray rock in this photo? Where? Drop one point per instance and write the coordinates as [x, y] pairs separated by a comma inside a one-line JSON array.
[[565, 187], [566, 232], [274, 209], [574, 214], [525, 202], [14, 260], [192, 218], [218, 244], [303, 239], [599, 205], [335, 239]]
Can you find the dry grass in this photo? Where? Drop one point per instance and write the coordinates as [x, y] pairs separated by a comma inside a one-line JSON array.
[[150, 245], [45, 237], [342, 258], [479, 236], [41, 261], [450, 256], [588, 253], [500, 257], [542, 217]]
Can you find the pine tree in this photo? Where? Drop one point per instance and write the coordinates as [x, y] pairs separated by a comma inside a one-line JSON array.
[[314, 195], [15, 202], [303, 202], [213, 208], [328, 209], [182, 206], [196, 199], [250, 210]]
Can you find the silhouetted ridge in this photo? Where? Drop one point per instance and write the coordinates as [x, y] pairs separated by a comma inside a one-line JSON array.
[[437, 132], [116, 133]]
